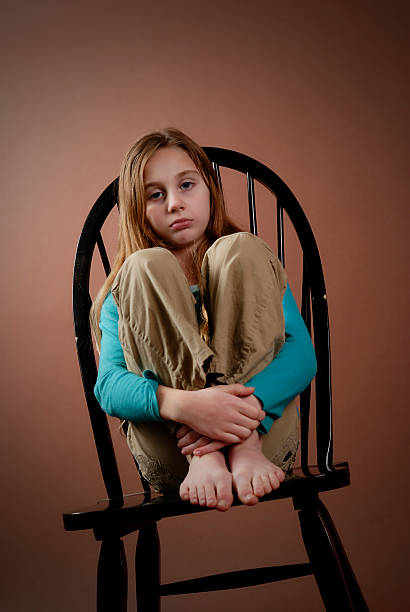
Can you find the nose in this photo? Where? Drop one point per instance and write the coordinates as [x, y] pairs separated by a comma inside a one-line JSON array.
[[174, 201]]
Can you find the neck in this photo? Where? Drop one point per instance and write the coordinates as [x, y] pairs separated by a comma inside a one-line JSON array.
[[184, 258]]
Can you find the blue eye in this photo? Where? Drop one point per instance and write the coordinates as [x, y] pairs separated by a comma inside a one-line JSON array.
[[187, 185], [155, 196]]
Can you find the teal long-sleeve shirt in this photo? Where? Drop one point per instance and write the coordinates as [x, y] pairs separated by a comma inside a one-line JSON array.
[[128, 396]]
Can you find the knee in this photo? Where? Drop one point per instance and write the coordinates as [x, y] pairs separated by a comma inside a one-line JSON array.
[[148, 261], [145, 264], [231, 239], [245, 254], [241, 246]]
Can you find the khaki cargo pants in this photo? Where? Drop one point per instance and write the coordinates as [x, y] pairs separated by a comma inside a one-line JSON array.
[[158, 330]]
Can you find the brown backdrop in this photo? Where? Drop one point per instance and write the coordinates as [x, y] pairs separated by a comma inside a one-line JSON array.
[[319, 91]]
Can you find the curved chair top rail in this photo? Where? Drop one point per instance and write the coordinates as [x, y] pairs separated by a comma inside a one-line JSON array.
[[313, 300]]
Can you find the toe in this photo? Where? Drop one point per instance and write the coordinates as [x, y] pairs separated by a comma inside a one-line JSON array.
[[274, 480], [258, 485], [193, 496], [244, 489], [184, 492], [201, 495], [210, 495], [224, 497], [280, 474], [267, 486]]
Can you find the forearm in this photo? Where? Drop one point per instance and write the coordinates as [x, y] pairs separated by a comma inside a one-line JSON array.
[[290, 371], [122, 393], [125, 395]]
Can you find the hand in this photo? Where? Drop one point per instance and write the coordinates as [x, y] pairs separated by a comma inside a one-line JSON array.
[[224, 413], [190, 441], [193, 443], [204, 445]]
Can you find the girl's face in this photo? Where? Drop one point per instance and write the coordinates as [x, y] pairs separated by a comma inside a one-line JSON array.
[[174, 190]]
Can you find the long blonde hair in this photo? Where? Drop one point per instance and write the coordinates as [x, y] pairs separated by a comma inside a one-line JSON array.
[[135, 231]]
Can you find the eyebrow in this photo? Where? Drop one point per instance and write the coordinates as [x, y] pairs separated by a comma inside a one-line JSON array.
[[179, 175]]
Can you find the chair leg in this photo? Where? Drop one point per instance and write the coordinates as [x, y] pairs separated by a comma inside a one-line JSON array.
[[147, 569], [358, 600], [337, 583], [112, 577]]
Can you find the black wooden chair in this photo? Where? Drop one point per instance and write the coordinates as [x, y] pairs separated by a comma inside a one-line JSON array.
[[120, 515]]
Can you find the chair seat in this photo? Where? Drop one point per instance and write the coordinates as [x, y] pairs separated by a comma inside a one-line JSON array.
[[120, 517]]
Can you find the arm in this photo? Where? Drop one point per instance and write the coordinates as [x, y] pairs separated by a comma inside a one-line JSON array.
[[122, 393], [292, 369], [216, 412], [276, 385], [126, 395]]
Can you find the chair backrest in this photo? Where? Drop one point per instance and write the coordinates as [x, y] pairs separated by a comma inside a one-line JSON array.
[[313, 308]]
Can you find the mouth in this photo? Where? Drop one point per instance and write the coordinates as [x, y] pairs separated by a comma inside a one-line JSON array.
[[181, 223]]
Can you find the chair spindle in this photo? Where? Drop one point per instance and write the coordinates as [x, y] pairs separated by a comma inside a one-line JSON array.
[[251, 202], [103, 254], [280, 233]]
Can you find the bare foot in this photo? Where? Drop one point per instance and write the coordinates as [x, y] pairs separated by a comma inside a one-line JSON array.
[[253, 475], [208, 482]]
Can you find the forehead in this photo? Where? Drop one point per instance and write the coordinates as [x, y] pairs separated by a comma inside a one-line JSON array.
[[166, 163]]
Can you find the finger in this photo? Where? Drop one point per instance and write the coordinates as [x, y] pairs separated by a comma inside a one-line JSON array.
[[188, 450], [236, 389], [244, 421], [209, 448], [189, 438], [182, 431], [252, 412], [243, 389], [228, 438], [240, 432]]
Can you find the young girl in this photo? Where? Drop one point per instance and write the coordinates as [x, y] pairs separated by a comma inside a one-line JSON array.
[[203, 349]]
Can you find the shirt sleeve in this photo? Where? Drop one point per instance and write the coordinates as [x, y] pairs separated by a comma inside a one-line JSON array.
[[122, 393], [291, 370]]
